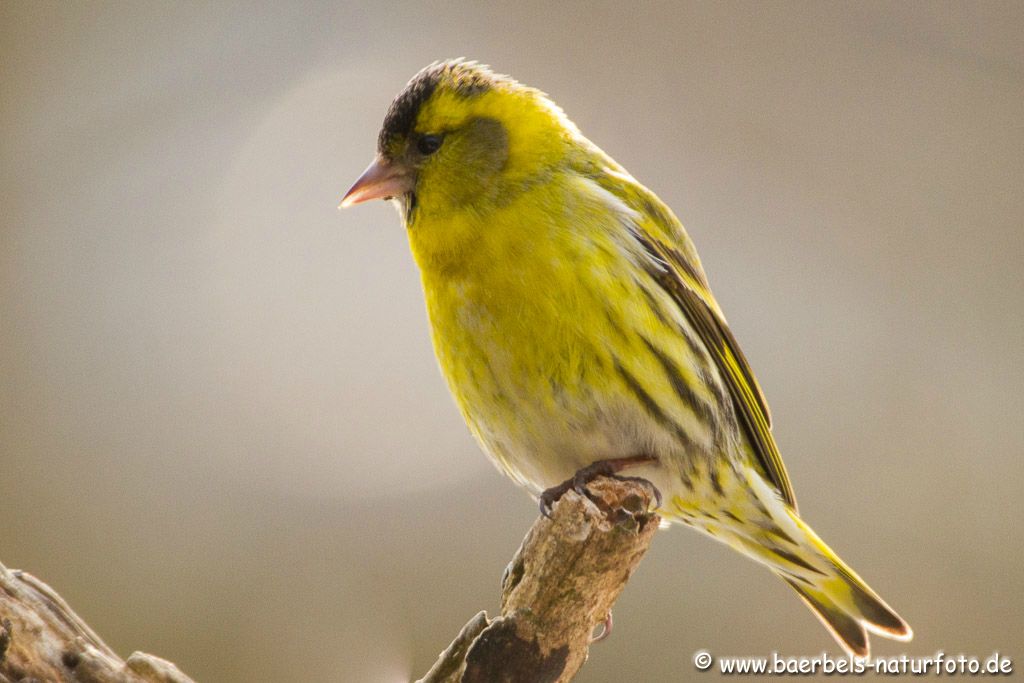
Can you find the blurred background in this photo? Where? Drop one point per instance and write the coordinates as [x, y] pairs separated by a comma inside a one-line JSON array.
[[223, 436]]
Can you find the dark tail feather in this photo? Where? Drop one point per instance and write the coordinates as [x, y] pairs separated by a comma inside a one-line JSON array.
[[878, 617], [846, 630]]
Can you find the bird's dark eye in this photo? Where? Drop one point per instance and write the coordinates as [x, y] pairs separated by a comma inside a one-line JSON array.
[[428, 144]]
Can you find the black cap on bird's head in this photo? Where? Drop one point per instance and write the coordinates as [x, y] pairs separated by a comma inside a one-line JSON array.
[[400, 148], [462, 77]]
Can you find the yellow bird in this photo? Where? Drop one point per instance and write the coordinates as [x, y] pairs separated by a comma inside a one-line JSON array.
[[574, 324]]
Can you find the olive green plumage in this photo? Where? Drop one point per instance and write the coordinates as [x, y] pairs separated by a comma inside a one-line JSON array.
[[574, 323]]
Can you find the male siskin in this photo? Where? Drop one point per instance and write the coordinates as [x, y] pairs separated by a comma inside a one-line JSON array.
[[575, 326]]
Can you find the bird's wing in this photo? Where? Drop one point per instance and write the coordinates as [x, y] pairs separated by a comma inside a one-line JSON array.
[[674, 265]]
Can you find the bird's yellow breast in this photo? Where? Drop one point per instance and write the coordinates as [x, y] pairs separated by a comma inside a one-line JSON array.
[[511, 296], [516, 318], [526, 305]]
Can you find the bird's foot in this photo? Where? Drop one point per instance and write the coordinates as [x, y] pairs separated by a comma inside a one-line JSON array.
[[602, 468]]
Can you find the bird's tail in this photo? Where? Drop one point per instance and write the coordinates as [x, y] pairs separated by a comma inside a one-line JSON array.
[[766, 529], [843, 602]]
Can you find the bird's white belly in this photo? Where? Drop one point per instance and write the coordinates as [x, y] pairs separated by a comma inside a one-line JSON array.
[[541, 445]]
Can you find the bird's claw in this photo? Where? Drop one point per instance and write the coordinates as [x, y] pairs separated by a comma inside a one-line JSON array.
[[603, 468], [606, 629], [551, 496], [580, 481]]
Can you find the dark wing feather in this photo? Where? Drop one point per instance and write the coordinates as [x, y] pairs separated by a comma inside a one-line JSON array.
[[693, 298], [675, 266]]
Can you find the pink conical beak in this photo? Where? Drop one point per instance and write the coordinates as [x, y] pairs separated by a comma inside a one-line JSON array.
[[382, 179]]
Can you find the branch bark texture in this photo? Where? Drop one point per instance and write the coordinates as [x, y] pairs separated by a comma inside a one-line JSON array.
[[42, 639], [559, 587]]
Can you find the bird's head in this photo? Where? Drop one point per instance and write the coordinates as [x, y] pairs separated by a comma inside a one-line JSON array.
[[460, 136]]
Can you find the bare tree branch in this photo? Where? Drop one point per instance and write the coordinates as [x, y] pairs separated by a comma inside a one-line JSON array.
[[559, 587], [42, 639]]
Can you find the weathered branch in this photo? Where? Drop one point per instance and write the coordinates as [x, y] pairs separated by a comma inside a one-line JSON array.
[[559, 587], [42, 639]]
